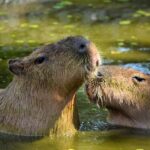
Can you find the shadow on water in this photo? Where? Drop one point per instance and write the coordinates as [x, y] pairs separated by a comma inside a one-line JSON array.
[[121, 31]]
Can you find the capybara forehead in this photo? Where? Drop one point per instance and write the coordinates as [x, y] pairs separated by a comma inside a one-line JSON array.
[[45, 48], [72, 40], [69, 43]]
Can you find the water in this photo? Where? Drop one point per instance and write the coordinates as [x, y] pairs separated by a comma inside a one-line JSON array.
[[112, 140], [121, 31]]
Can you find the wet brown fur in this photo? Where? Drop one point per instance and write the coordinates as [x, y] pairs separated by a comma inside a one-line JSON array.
[[33, 102], [126, 98]]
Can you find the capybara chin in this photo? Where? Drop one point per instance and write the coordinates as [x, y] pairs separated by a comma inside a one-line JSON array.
[[125, 93], [44, 83]]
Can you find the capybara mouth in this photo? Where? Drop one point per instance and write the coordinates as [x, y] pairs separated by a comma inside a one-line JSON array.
[[97, 96], [92, 66], [91, 70], [94, 88]]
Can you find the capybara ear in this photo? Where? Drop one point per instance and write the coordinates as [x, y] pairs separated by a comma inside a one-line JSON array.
[[16, 66], [138, 79]]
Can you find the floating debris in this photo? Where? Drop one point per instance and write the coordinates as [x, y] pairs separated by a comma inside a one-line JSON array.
[[34, 26], [125, 22], [62, 4], [19, 41], [143, 13], [31, 41], [23, 25], [120, 43]]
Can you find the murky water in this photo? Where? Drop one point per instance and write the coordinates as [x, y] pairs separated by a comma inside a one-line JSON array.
[[121, 31]]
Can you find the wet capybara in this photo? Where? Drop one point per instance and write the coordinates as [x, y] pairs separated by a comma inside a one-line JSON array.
[[44, 83], [125, 93]]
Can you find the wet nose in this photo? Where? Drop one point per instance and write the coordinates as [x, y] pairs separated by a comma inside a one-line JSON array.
[[11, 61], [83, 46]]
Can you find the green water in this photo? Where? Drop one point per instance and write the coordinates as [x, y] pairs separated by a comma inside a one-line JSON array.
[[121, 31], [112, 140]]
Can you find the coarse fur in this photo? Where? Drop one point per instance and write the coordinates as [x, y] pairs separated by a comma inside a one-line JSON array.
[[44, 83], [125, 92]]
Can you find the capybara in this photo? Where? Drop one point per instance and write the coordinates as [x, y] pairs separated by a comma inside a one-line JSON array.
[[125, 92], [44, 83]]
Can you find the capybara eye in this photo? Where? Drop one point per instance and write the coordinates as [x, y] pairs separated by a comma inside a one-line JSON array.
[[139, 79], [82, 46], [40, 60], [99, 74]]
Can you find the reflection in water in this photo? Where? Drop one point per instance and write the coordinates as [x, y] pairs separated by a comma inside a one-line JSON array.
[[120, 29]]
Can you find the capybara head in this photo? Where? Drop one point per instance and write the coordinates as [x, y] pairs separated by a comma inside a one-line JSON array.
[[124, 85], [124, 92], [60, 64]]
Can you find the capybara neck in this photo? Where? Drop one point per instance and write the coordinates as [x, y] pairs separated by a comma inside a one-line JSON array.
[[30, 109]]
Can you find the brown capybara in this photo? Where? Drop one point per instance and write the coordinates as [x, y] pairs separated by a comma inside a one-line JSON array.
[[125, 93], [44, 83]]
